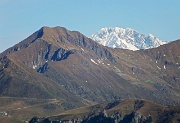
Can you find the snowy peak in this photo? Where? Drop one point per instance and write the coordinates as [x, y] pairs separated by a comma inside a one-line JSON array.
[[126, 38]]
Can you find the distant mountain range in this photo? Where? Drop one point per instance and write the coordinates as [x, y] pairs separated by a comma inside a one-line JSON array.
[[126, 39], [55, 60], [59, 69]]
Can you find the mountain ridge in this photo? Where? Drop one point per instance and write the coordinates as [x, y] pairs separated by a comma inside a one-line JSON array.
[[48, 49], [119, 111], [55, 63]]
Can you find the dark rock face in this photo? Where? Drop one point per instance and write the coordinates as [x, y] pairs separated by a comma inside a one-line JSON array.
[[43, 68], [60, 54], [138, 104], [167, 116]]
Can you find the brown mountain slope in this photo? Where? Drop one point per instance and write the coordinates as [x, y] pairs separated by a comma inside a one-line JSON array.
[[17, 81], [58, 60], [167, 59], [155, 70]]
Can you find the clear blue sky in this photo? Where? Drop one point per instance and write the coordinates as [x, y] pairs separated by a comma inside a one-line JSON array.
[[20, 18]]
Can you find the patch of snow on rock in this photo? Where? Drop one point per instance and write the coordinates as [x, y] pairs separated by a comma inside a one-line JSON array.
[[82, 49], [158, 67], [94, 61], [34, 66]]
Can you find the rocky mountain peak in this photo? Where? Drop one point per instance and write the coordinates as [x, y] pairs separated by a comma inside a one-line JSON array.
[[53, 44], [126, 39]]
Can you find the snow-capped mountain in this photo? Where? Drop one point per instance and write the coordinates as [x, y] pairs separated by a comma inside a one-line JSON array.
[[126, 38]]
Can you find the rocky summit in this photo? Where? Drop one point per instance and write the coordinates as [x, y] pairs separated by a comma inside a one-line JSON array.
[[60, 70]]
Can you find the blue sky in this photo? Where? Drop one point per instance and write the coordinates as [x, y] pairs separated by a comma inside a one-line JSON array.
[[20, 18]]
